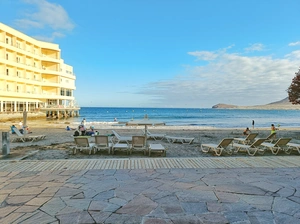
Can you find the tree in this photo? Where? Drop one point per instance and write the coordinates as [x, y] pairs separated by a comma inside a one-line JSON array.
[[294, 89]]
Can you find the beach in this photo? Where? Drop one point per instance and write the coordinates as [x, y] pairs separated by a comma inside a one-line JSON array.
[[59, 142]]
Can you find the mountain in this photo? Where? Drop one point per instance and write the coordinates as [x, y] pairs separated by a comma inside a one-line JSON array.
[[284, 104]]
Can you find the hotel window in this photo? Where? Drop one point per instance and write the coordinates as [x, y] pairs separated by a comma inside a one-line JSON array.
[[18, 73], [7, 71], [7, 40], [17, 88], [6, 56]]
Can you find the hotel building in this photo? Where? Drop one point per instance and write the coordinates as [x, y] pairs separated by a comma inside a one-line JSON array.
[[34, 77]]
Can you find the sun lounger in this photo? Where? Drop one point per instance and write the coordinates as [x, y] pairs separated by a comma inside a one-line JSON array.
[[157, 148], [102, 143], [218, 148], [121, 147], [154, 136], [138, 144], [250, 149], [119, 139], [182, 140], [247, 140], [82, 143], [25, 138], [280, 145], [293, 146], [271, 137]]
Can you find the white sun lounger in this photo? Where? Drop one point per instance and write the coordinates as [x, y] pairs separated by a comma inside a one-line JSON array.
[[119, 139], [182, 140], [218, 148]]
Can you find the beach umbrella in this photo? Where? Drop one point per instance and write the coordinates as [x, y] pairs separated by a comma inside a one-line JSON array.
[[24, 118], [145, 122]]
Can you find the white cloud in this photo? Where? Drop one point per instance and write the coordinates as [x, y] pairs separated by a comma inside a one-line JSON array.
[[255, 47], [45, 15], [294, 43], [228, 78]]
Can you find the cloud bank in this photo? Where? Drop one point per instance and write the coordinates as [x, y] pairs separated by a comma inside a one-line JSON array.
[[230, 78], [43, 15]]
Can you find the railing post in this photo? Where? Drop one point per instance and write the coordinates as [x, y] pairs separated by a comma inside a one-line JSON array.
[[5, 144]]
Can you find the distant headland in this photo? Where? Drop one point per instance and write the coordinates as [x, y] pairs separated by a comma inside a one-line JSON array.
[[284, 104]]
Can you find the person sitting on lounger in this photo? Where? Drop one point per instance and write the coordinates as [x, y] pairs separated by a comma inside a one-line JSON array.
[[91, 132], [247, 131]]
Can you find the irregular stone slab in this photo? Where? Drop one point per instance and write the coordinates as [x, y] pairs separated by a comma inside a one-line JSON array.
[[100, 216], [283, 205], [259, 202], [81, 204], [241, 189], [65, 191], [13, 185], [27, 191], [78, 217], [192, 196], [265, 217], [118, 201], [123, 219], [105, 195], [284, 218], [227, 197], [53, 206], [39, 201], [172, 209], [140, 205], [11, 218], [7, 210], [39, 217], [237, 217], [27, 209], [185, 219], [215, 207], [18, 200], [149, 220], [211, 218], [194, 207]]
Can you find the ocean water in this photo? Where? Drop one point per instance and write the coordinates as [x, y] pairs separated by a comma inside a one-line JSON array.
[[206, 118]]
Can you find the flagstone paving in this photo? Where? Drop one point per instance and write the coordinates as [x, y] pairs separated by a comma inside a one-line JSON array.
[[159, 190]]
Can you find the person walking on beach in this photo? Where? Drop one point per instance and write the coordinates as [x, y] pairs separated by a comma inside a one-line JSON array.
[[83, 122], [253, 124], [273, 130]]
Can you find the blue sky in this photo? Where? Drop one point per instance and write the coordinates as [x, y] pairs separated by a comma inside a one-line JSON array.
[[169, 53]]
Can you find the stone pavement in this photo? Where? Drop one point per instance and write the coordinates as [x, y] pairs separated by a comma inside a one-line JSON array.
[[212, 190]]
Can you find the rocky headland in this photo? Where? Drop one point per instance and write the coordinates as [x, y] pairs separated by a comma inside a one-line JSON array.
[[284, 104]]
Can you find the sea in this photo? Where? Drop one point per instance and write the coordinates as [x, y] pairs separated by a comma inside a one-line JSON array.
[[204, 118]]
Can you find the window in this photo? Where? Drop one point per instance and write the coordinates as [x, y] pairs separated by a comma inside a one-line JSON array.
[[7, 40], [6, 56], [7, 71]]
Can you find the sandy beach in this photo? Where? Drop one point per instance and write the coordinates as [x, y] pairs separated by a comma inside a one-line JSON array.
[[59, 143]]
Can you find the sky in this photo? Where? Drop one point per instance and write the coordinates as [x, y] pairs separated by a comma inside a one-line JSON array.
[[169, 53]]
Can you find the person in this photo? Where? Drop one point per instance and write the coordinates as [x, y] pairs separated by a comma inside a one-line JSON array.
[[253, 124], [82, 129], [273, 130], [68, 128], [247, 131], [76, 133], [12, 129], [115, 119], [83, 122], [21, 125], [91, 132]]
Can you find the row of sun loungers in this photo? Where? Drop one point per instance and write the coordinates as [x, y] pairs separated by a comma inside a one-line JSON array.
[[251, 145], [102, 143]]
